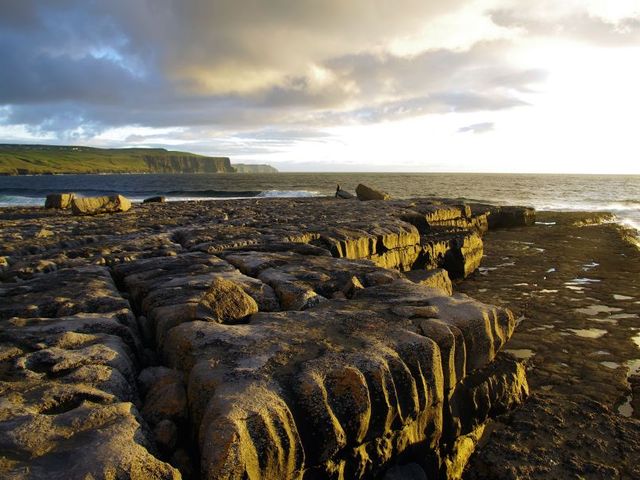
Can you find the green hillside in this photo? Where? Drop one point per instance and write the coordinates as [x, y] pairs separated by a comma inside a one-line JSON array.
[[49, 159]]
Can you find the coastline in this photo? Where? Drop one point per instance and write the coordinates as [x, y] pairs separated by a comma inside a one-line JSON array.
[[617, 194], [313, 258]]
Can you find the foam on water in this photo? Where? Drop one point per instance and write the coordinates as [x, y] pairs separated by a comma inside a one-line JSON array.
[[19, 201], [288, 194], [26, 201]]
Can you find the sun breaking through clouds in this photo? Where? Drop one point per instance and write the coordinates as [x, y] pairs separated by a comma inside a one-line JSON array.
[[413, 85]]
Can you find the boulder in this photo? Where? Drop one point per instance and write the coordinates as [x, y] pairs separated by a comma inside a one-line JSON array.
[[158, 199], [505, 216], [59, 200], [367, 193], [437, 278], [344, 195], [512, 216], [95, 205]]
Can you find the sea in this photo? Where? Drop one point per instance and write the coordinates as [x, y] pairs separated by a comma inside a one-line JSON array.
[[619, 194]]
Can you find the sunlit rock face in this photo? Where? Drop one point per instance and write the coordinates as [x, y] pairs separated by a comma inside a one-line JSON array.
[[97, 205], [248, 339]]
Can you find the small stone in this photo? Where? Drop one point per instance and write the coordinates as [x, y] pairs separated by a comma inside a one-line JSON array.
[[46, 266], [166, 396], [44, 233], [351, 286], [158, 199]]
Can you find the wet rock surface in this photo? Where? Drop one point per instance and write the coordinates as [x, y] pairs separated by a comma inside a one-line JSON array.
[[574, 283], [248, 339]]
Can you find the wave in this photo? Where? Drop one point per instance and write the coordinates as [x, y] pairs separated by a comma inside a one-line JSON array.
[[210, 193], [607, 206], [17, 197], [20, 201], [288, 194]]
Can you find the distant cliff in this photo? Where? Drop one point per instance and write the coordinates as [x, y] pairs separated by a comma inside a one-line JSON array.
[[50, 159], [246, 168], [178, 163]]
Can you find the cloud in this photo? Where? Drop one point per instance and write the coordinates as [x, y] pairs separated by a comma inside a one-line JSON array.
[[246, 69], [592, 22], [478, 128]]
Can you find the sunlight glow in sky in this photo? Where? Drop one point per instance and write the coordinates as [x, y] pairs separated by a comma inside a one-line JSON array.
[[405, 85]]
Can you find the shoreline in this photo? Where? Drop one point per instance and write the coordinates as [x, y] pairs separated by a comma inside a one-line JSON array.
[[293, 274], [628, 229]]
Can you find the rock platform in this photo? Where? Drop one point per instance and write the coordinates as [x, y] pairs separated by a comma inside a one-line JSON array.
[[270, 338], [574, 281]]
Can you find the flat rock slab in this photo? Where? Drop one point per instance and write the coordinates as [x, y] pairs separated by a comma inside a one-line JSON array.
[[390, 233], [68, 364], [91, 441], [87, 289]]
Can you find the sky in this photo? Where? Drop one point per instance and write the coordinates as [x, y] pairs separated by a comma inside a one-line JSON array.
[[333, 85]]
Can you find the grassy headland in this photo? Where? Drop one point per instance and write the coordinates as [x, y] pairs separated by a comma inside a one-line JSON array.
[[49, 159]]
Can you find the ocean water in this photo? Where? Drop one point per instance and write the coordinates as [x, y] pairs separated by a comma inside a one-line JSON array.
[[619, 194]]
